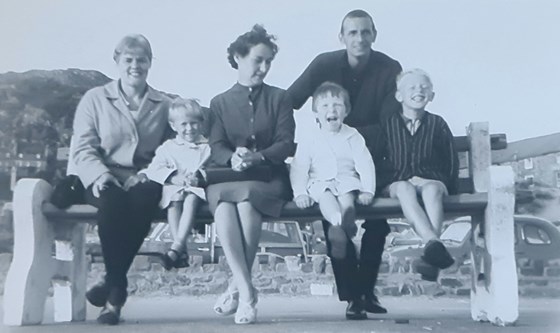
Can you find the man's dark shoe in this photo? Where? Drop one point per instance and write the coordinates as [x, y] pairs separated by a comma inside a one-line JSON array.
[[427, 272], [97, 295], [110, 314], [437, 255], [355, 311], [372, 305]]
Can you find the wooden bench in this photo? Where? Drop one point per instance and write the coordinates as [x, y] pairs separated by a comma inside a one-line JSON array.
[[41, 230]]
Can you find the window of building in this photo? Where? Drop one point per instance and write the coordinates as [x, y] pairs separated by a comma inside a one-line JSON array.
[[528, 163]]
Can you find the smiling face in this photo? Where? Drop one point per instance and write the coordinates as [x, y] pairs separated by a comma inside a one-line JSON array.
[[357, 35], [187, 125], [330, 111], [133, 65], [414, 91], [253, 67]]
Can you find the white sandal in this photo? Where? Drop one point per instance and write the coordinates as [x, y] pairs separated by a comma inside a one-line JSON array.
[[227, 303], [247, 311]]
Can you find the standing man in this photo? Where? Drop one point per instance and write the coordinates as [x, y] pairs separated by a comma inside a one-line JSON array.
[[369, 76]]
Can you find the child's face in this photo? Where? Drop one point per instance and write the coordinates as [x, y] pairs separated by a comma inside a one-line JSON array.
[[414, 92], [330, 111], [186, 126]]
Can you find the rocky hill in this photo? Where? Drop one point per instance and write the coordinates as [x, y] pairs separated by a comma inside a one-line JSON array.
[[40, 99]]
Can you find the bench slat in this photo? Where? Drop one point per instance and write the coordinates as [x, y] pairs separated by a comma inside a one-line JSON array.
[[381, 208], [497, 142]]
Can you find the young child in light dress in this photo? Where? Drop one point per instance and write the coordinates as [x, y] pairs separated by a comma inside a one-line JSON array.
[[175, 165], [333, 168]]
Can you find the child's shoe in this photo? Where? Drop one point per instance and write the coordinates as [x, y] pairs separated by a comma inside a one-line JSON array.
[[437, 255]]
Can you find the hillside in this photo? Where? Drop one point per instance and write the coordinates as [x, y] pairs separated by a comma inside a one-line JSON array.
[[39, 104]]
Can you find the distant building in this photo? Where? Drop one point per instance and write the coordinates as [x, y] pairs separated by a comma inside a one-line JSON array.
[[542, 169]]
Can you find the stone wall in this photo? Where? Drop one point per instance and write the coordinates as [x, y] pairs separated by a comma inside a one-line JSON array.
[[292, 277]]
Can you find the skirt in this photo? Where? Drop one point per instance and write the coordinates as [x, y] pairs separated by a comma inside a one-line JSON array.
[[266, 197]]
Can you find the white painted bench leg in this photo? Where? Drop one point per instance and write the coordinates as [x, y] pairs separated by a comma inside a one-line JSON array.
[[479, 291], [500, 266], [29, 276], [70, 284]]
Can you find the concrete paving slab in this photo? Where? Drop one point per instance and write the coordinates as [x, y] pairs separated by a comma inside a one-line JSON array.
[[305, 314]]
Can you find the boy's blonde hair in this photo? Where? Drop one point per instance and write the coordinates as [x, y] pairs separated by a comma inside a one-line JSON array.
[[416, 71], [186, 106], [334, 89]]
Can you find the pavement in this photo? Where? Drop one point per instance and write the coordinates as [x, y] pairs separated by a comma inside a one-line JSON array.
[[304, 314]]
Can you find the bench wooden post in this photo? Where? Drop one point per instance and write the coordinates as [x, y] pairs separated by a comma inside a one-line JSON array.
[[29, 276], [494, 292]]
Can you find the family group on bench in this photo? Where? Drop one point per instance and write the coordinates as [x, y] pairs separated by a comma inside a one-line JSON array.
[[135, 150]]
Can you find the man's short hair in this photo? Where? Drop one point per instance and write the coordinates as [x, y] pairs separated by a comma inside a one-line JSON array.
[[356, 13]]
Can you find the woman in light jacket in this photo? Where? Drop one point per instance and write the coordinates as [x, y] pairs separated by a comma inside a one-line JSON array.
[[117, 128]]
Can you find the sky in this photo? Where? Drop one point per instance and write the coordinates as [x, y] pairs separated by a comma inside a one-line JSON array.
[[492, 60]]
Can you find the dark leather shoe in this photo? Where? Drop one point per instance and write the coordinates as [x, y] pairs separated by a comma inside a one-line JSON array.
[[97, 295], [110, 314], [427, 272], [437, 255], [372, 305], [355, 311]]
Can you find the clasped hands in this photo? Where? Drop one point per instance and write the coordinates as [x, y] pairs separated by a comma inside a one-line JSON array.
[[184, 179], [304, 201], [103, 181], [243, 158]]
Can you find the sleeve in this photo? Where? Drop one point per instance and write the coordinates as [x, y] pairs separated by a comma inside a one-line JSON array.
[[304, 86], [161, 167], [450, 158], [283, 144], [219, 143], [389, 104], [86, 152], [299, 170], [364, 163], [205, 157]]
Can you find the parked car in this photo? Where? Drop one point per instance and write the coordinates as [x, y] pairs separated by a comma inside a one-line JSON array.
[[535, 239]]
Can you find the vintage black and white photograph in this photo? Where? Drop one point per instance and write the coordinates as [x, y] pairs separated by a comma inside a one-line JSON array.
[[279, 166]]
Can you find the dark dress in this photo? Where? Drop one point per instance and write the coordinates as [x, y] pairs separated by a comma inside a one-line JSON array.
[[261, 119]]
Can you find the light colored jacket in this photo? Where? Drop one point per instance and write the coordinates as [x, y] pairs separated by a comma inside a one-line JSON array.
[[177, 155], [107, 138], [315, 161]]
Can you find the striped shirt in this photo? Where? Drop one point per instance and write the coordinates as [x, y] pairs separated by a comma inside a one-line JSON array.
[[429, 153]]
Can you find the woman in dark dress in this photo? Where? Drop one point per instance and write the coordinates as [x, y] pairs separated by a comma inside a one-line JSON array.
[[252, 124]]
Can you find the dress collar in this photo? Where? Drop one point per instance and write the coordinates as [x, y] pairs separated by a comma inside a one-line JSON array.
[[193, 145]]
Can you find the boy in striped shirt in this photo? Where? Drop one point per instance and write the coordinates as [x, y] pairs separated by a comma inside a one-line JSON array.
[[424, 163]]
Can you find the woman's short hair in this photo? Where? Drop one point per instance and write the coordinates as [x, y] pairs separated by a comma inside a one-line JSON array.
[[186, 106], [243, 44], [334, 89], [130, 42]]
